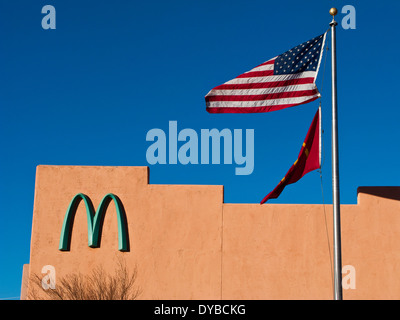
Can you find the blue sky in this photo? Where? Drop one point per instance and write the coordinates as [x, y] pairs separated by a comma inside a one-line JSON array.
[[87, 93]]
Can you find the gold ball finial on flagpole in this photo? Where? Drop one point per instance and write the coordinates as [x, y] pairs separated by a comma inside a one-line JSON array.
[[333, 12]]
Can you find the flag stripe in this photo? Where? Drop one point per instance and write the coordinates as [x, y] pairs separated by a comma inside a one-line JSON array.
[[256, 74], [258, 97], [262, 68], [300, 87], [275, 84], [273, 78], [262, 103], [232, 109], [271, 61]]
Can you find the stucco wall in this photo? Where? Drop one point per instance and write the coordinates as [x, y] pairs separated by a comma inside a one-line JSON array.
[[188, 244]]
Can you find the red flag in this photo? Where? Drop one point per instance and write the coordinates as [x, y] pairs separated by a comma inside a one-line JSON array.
[[309, 158]]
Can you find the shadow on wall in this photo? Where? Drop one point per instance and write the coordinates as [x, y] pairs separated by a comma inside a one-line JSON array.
[[392, 193]]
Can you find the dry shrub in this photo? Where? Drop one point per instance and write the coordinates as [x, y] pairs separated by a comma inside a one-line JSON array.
[[98, 285]]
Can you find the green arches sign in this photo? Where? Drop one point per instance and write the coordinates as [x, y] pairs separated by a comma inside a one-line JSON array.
[[94, 221]]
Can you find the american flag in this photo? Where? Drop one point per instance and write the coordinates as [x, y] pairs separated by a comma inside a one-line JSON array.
[[281, 82]]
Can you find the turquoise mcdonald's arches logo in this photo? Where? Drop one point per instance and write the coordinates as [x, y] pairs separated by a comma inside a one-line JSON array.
[[94, 221]]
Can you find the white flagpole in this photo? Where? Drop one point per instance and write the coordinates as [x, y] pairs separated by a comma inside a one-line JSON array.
[[338, 295]]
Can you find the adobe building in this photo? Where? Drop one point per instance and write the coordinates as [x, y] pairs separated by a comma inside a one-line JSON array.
[[186, 243]]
